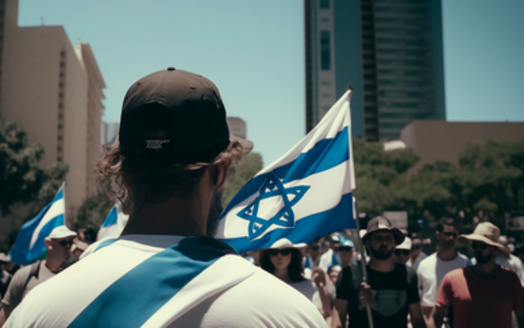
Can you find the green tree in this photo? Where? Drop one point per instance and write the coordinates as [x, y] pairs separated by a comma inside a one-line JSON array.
[[379, 176], [22, 179], [432, 192], [246, 169], [493, 179], [94, 210]]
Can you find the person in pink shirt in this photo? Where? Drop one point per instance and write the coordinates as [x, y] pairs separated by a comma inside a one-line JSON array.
[[483, 295]]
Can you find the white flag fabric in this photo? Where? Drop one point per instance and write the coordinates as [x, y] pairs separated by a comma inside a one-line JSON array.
[[29, 244], [113, 224], [307, 193]]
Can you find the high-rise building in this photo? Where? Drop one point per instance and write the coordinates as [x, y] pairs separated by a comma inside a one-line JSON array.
[[388, 51], [237, 126], [55, 91], [109, 132]]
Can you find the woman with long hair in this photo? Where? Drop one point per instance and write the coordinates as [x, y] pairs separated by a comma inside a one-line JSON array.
[[285, 262]]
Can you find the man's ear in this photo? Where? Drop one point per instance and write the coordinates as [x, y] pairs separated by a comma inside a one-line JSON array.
[[220, 175], [48, 244]]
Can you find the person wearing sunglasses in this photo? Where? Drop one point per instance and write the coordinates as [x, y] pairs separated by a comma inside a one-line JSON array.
[[58, 245], [284, 261], [168, 168], [417, 254], [390, 291], [483, 295], [403, 251], [312, 258], [433, 268], [345, 252]]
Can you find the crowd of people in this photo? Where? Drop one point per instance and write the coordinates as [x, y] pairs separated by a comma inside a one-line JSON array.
[[168, 166]]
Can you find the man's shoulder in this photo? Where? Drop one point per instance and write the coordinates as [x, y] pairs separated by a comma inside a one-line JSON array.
[[428, 262], [254, 299], [20, 276], [507, 273], [455, 274], [462, 258]]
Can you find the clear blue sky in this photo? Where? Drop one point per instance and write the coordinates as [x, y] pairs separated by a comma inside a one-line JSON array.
[[254, 52]]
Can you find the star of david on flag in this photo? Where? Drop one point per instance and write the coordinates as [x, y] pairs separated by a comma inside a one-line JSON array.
[[29, 244], [307, 193]]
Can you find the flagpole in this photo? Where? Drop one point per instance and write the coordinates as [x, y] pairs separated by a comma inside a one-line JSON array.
[[355, 214]]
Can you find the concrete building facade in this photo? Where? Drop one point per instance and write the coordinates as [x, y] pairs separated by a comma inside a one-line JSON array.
[[389, 52], [237, 126], [444, 141], [55, 92]]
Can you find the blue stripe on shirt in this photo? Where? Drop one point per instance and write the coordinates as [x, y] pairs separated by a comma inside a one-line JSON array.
[[140, 293]]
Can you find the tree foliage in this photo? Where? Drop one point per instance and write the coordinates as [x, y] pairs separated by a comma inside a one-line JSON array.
[[380, 175], [487, 183], [22, 179], [246, 169], [93, 211]]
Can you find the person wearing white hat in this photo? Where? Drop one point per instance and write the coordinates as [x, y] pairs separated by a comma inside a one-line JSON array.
[[483, 295], [403, 251], [58, 245], [284, 261]]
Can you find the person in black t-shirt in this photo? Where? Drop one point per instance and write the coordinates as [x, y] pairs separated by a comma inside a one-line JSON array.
[[391, 290]]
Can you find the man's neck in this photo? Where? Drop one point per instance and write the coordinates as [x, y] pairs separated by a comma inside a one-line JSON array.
[[488, 270], [53, 264], [182, 217], [447, 254], [386, 265]]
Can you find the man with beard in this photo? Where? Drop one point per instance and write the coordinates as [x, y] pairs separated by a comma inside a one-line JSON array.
[[433, 268], [483, 295], [391, 289], [167, 168]]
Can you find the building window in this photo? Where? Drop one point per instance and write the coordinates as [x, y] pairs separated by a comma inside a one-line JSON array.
[[325, 51], [324, 4]]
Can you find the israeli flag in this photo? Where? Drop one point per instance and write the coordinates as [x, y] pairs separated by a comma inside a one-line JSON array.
[[29, 244], [114, 223], [307, 193]]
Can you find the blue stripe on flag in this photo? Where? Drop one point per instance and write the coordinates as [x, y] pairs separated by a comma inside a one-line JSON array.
[[326, 154], [22, 253], [306, 229], [158, 278], [111, 218]]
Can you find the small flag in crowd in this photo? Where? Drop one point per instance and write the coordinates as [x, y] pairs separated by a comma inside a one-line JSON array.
[[307, 193], [114, 223], [29, 244]]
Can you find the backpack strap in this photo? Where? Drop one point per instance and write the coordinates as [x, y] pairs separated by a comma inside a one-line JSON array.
[[34, 272]]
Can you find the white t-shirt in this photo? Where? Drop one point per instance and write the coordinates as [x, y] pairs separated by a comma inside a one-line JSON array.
[[430, 273], [414, 265], [308, 289], [140, 281]]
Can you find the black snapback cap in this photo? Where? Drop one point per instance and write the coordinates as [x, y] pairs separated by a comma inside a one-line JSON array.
[[173, 117]]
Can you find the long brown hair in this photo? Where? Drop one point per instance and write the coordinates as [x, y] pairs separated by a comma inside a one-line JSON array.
[[294, 269]]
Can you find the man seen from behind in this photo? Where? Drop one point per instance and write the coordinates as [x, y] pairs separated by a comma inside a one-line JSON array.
[[169, 166]]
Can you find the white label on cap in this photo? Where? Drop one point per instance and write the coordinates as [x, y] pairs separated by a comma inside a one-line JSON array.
[[155, 143]]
